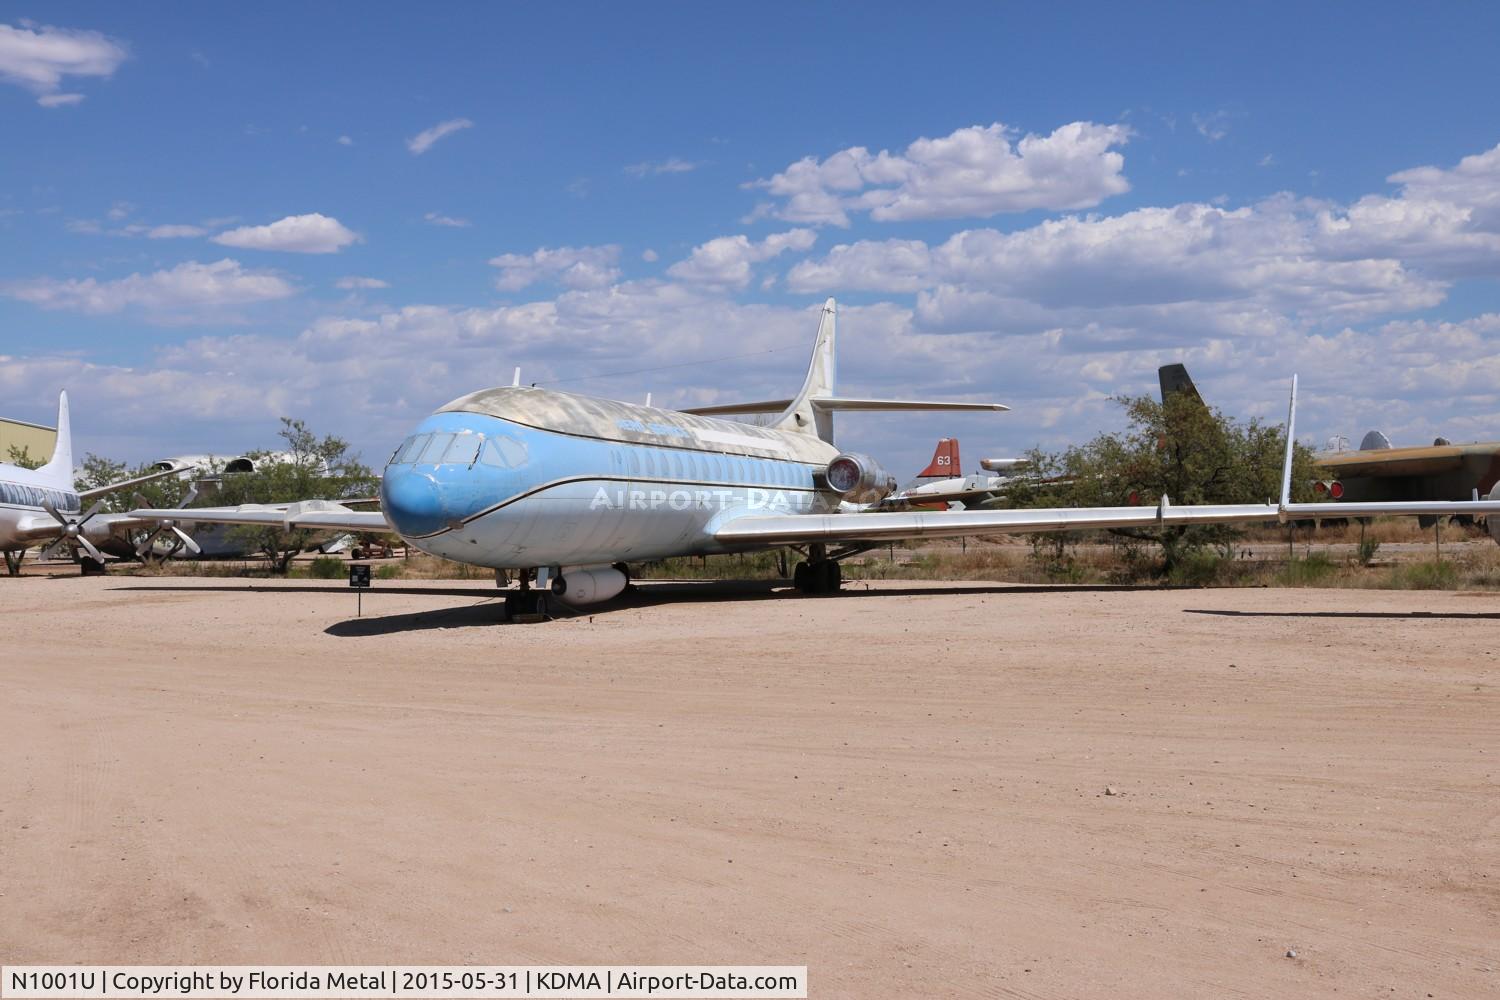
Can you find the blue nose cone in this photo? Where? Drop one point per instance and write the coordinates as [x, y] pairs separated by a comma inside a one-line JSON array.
[[412, 502]]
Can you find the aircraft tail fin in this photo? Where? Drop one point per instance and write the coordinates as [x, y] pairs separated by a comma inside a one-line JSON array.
[[1175, 381], [944, 462], [60, 466], [801, 415]]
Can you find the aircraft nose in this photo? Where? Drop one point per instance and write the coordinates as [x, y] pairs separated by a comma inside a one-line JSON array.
[[412, 502]]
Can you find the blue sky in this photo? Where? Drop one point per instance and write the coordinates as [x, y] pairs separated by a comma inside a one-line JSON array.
[[211, 217]]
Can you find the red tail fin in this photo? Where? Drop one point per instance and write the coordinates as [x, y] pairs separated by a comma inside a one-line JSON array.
[[944, 462]]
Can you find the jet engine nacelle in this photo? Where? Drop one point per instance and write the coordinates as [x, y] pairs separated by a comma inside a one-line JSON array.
[[858, 478], [588, 586]]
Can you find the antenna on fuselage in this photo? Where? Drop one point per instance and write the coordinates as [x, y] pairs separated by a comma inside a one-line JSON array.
[[515, 382]]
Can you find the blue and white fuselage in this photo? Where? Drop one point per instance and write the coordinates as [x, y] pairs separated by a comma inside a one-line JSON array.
[[496, 478]]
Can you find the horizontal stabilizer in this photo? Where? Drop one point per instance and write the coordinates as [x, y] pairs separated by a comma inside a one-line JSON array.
[[764, 406], [835, 404], [172, 470]]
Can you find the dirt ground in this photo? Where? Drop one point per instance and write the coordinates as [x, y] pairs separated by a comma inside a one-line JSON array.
[[903, 787]]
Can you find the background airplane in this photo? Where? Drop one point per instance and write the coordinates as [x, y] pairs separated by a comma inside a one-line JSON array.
[[942, 483], [1377, 472], [41, 505], [567, 489]]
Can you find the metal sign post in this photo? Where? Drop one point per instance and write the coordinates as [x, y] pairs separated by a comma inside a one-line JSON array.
[[359, 579]]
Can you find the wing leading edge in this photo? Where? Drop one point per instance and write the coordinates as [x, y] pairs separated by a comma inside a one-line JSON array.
[[308, 514]]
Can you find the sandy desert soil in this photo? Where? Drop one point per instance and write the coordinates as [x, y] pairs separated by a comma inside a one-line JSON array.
[[903, 788]]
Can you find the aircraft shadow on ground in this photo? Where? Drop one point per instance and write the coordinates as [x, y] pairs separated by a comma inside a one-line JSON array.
[[245, 588], [657, 594], [489, 610], [1406, 615]]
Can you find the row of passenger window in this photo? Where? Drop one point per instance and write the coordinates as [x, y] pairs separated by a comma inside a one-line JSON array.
[[463, 448], [32, 496], [702, 467]]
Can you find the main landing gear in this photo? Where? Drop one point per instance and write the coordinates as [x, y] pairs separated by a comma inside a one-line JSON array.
[[819, 574]]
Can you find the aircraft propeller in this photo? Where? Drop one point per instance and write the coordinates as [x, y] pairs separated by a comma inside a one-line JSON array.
[[72, 529], [172, 526]]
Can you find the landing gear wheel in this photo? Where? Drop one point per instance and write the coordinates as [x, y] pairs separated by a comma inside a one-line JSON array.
[[527, 604], [90, 567], [830, 577], [820, 577]]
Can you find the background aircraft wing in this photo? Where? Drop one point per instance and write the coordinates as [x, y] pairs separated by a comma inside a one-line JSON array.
[[125, 484], [1383, 462], [311, 514]]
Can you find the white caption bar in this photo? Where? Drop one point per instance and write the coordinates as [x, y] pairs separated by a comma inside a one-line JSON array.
[[201, 982]]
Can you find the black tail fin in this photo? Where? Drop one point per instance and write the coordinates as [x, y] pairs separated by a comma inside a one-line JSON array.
[[1175, 380]]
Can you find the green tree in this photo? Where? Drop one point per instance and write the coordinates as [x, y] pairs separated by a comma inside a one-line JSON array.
[[1181, 449], [309, 468], [22, 457]]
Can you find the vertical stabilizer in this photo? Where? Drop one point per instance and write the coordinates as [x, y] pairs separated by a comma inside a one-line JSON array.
[[1175, 381], [801, 415], [60, 468], [944, 464]]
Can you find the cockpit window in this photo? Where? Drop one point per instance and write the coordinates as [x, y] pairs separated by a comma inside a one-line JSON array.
[[464, 449], [433, 453], [410, 449], [504, 452]]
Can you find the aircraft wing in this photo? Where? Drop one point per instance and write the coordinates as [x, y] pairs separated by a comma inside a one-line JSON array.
[[308, 514], [1386, 462], [41, 529], [790, 529], [94, 494]]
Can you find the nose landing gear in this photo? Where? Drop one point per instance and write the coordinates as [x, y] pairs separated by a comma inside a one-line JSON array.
[[528, 604]]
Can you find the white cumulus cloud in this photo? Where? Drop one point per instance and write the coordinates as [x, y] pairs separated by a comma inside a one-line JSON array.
[[423, 140], [571, 267], [170, 232], [38, 57], [974, 172], [671, 165], [356, 282], [438, 219], [188, 286], [312, 233], [725, 261]]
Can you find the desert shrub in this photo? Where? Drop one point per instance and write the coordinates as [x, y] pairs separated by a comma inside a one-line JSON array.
[[1367, 549], [1430, 575], [1314, 570], [1200, 568], [326, 568]]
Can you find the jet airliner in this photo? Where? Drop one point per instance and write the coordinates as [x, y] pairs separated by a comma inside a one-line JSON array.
[[566, 489]]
